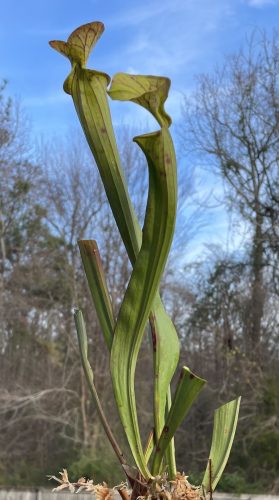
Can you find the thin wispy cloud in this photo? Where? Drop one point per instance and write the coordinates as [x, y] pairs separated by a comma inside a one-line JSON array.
[[262, 3], [46, 100], [137, 15], [177, 39], [172, 36]]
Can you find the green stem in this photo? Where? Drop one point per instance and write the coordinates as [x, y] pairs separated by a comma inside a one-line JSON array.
[[83, 347], [170, 451]]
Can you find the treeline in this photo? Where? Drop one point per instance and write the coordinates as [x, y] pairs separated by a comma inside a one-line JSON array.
[[225, 306]]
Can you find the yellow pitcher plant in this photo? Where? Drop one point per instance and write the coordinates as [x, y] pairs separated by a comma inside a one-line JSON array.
[[148, 251]]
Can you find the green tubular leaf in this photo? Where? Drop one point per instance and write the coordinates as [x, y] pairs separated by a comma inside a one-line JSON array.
[[97, 284], [149, 91], [225, 422], [88, 89], [83, 347], [187, 390], [145, 278]]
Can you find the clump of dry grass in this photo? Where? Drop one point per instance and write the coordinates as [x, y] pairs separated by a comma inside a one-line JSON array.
[[160, 488]]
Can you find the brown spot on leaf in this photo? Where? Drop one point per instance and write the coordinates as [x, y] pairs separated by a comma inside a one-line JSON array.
[[153, 332], [168, 159]]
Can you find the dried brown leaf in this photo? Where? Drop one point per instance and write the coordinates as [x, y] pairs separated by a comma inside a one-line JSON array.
[[103, 492], [64, 476], [61, 487], [55, 479]]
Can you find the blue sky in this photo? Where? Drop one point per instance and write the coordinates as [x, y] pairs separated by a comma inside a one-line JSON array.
[[176, 38]]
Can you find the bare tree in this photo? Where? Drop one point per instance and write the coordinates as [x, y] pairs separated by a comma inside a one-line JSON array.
[[232, 120]]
